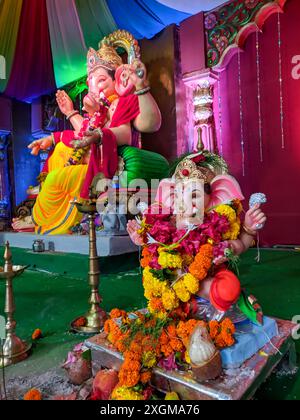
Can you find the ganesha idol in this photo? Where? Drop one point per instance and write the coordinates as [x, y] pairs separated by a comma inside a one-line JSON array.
[[118, 107], [192, 237]]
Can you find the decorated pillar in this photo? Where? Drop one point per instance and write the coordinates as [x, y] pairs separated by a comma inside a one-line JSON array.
[[4, 183], [200, 86]]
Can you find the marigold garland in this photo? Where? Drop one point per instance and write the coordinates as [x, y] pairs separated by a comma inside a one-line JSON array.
[[202, 263]]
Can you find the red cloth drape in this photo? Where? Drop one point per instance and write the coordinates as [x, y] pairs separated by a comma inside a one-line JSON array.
[[32, 73], [127, 110]]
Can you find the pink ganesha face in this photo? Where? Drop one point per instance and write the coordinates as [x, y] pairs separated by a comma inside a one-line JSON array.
[[190, 199], [100, 81]]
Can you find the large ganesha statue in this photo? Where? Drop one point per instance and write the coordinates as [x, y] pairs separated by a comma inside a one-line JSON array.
[[118, 107], [192, 237]]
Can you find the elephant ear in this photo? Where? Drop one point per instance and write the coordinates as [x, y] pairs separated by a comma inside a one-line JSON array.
[[225, 188], [124, 86], [166, 194]]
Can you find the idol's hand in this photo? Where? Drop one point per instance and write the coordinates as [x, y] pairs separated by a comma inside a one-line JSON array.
[[90, 137], [132, 229], [42, 144], [64, 102], [138, 74], [255, 219]]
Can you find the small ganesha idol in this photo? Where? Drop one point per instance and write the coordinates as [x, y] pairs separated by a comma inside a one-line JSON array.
[[191, 239]]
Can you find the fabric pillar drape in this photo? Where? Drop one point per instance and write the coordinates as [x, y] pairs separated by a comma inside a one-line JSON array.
[[96, 21], [10, 12], [67, 41], [32, 72]]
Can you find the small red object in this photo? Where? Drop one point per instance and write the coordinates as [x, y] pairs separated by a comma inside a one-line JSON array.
[[185, 172], [225, 290]]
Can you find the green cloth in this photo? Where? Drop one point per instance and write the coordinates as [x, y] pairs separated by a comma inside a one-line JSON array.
[[96, 21], [142, 164]]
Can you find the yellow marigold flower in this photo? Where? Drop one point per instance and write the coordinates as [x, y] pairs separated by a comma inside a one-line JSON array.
[[233, 233], [170, 300], [167, 260], [126, 394], [181, 291], [161, 315], [191, 283], [153, 287], [149, 359], [227, 211]]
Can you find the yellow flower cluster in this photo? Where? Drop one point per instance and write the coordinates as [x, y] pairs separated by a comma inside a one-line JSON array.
[[170, 300], [234, 220], [126, 394], [153, 287], [186, 287], [168, 260], [149, 359]]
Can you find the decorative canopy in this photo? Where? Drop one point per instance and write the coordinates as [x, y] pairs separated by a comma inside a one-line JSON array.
[[45, 42]]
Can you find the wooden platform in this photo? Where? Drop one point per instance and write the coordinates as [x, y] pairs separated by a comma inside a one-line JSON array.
[[238, 384]]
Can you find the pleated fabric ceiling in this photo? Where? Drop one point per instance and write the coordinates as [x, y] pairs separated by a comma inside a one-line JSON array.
[[44, 42]]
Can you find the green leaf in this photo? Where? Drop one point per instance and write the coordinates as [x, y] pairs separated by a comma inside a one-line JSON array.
[[87, 355]]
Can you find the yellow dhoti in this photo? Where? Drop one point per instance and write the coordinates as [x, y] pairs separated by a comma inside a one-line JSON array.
[[53, 214]]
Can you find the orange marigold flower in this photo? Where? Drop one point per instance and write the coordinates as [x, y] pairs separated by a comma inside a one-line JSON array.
[[214, 329], [164, 339], [37, 334], [107, 326], [132, 356], [171, 331], [156, 305], [117, 313], [131, 365], [33, 395], [177, 345], [147, 258], [220, 343], [228, 326], [202, 263], [146, 377], [136, 348], [129, 378], [167, 350]]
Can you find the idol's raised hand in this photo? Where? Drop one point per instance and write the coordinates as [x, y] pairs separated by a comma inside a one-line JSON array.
[[138, 74], [255, 219], [64, 102], [42, 144]]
